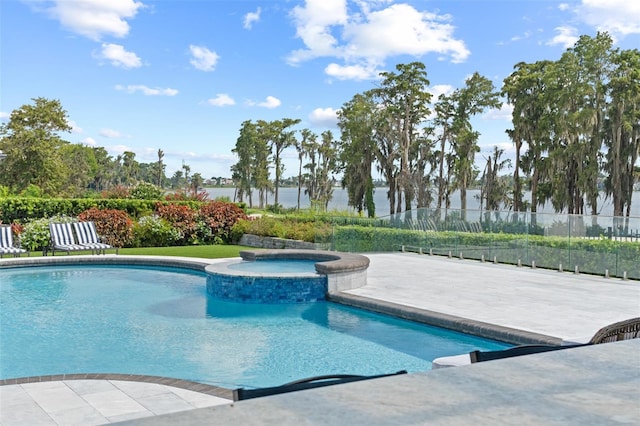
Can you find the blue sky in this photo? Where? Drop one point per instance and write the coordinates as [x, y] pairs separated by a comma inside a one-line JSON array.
[[182, 75]]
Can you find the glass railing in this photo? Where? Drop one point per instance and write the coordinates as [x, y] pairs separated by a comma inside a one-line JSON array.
[[600, 245]]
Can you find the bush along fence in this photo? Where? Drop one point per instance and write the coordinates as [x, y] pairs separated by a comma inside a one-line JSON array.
[[165, 224], [561, 244], [20, 209]]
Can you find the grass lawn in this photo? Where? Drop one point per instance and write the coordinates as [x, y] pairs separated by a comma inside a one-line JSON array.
[[208, 252]]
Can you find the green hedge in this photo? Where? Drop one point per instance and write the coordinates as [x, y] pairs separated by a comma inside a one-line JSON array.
[[16, 209], [590, 255]]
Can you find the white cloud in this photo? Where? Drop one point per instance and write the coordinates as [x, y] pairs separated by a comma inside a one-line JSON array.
[[366, 38], [351, 72], [118, 149], [4, 116], [324, 117], [402, 30], [440, 89], [74, 127], [203, 58], [508, 149], [94, 18], [88, 141], [250, 18], [221, 99], [566, 37], [269, 102], [564, 6], [505, 112], [118, 56], [618, 17], [313, 25], [147, 91], [110, 133]]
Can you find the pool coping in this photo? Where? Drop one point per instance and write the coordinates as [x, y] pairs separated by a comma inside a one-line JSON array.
[[110, 259], [329, 262], [159, 380], [449, 322]]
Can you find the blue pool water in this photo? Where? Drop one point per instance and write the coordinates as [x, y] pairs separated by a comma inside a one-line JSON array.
[[275, 266], [160, 321]]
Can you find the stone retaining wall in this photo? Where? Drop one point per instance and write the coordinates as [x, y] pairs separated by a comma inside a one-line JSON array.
[[277, 243]]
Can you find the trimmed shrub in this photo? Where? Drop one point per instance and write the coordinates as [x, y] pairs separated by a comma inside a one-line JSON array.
[[268, 226], [114, 226], [36, 235], [218, 218], [118, 192], [153, 231], [181, 217], [23, 209], [182, 195], [146, 191]]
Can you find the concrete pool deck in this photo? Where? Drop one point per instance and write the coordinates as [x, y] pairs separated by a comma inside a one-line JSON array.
[[538, 302]]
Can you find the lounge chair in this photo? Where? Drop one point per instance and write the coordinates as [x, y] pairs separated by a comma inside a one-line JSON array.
[[62, 239], [622, 330], [6, 242], [88, 237], [310, 383]]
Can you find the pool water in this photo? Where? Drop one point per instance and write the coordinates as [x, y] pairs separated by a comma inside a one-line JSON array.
[[275, 266], [160, 321]]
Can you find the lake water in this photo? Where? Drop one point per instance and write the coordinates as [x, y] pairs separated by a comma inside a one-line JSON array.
[[288, 197]]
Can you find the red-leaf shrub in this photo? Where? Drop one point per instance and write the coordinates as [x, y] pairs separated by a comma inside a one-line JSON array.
[[118, 191], [114, 226], [181, 195], [219, 217], [183, 218], [17, 228]]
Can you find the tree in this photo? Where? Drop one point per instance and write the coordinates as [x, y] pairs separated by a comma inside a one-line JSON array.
[[31, 144], [279, 137], [578, 98], [421, 177], [158, 170], [493, 191], [445, 113], [300, 149], [622, 130], [104, 169], [357, 151], [196, 183], [261, 164], [187, 178], [404, 102], [242, 171], [311, 148], [130, 168], [477, 95], [177, 180], [327, 165], [527, 91], [80, 168]]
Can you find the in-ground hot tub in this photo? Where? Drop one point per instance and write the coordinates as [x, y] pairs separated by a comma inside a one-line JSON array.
[[286, 276]]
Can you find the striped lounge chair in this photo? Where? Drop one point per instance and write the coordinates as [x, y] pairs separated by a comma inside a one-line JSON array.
[[62, 238], [6, 242], [88, 237]]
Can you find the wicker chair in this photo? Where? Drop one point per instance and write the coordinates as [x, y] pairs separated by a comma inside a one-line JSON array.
[[623, 330]]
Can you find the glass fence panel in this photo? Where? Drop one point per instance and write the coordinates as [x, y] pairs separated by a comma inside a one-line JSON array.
[[600, 245]]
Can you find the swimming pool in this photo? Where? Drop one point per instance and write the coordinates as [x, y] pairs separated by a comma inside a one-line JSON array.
[[160, 321]]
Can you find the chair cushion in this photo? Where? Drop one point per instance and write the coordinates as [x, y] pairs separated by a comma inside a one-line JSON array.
[[451, 361]]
